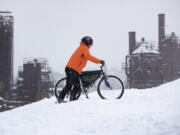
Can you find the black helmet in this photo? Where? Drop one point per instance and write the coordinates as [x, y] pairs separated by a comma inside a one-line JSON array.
[[87, 40]]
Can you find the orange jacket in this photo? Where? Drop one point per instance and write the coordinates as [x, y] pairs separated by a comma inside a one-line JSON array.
[[80, 57]]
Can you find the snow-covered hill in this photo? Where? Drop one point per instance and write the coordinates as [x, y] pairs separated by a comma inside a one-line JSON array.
[[153, 111]]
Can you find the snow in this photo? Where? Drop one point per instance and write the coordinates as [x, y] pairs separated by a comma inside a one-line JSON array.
[[145, 47], [153, 111]]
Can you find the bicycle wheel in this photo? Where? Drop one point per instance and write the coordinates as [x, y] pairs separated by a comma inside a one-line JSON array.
[[70, 95], [110, 88], [59, 87]]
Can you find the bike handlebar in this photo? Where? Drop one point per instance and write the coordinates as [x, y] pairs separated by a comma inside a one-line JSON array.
[[102, 65]]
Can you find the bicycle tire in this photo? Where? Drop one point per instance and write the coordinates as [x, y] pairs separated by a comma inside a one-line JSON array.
[[58, 89], [56, 92], [101, 90]]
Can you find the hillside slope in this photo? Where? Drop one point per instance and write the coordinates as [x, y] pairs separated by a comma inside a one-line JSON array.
[[153, 111]]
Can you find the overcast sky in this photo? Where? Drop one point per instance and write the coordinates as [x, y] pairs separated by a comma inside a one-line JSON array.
[[53, 28]]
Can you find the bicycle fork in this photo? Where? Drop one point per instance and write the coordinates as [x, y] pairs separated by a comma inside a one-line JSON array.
[[106, 81]]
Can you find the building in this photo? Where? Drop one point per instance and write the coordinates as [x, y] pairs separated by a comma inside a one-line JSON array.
[[6, 53], [34, 80], [148, 66], [143, 64], [169, 46]]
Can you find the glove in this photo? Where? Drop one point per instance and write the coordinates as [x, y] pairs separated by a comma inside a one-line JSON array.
[[102, 62]]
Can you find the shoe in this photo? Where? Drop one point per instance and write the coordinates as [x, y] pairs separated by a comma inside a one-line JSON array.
[[60, 100]]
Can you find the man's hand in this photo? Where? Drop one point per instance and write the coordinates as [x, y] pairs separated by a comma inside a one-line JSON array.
[[102, 62]]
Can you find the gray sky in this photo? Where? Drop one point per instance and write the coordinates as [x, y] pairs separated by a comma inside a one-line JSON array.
[[53, 28]]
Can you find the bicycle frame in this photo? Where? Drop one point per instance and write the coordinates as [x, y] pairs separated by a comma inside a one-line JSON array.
[[103, 75]]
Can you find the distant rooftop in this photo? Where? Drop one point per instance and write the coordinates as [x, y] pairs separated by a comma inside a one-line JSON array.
[[5, 12], [145, 47], [5, 16]]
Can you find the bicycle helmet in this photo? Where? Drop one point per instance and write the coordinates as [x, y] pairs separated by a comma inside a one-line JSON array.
[[87, 40]]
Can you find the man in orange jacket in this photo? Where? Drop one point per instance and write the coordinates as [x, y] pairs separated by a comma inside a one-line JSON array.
[[75, 65]]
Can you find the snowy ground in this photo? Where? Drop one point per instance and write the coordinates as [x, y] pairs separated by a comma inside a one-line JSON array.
[[153, 111]]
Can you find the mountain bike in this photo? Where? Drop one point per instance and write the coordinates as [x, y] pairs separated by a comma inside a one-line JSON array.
[[109, 86]]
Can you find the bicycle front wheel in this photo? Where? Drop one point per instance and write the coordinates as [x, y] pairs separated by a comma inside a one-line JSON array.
[[110, 87]]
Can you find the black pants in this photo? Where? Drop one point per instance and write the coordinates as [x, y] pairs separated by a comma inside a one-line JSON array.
[[72, 82]]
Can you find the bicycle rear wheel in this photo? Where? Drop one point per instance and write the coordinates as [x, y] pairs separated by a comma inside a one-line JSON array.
[[110, 88], [70, 95]]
